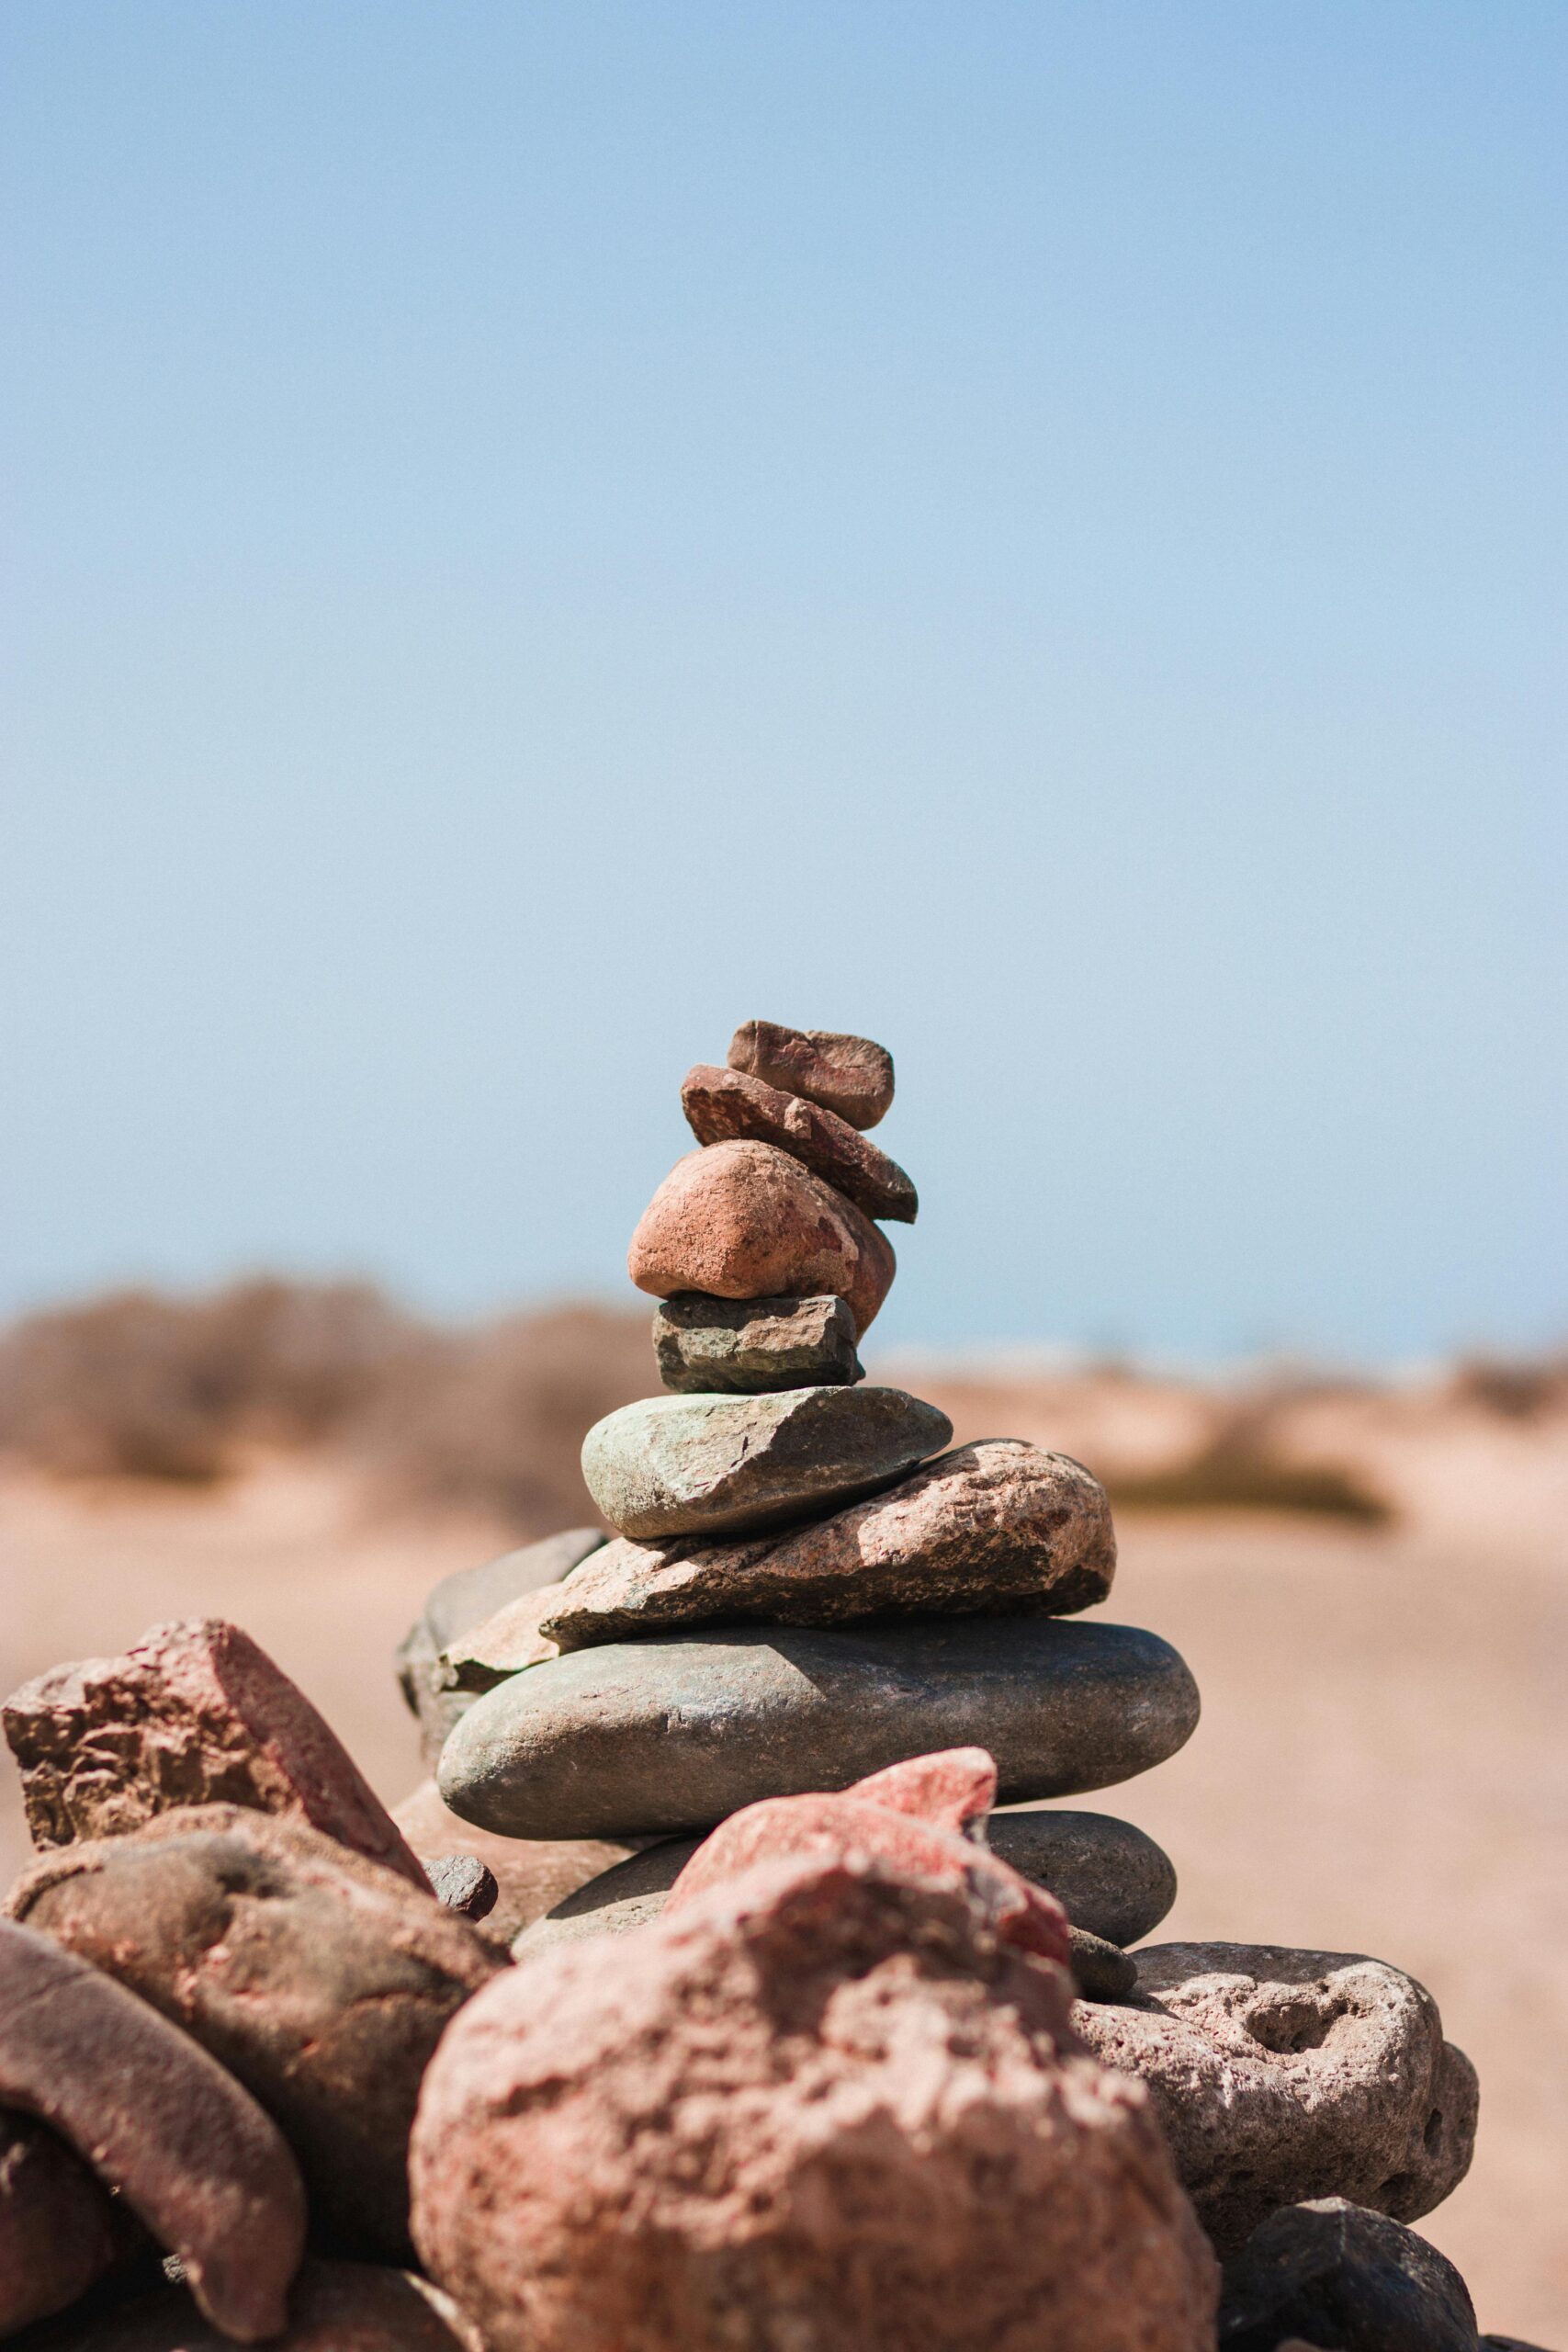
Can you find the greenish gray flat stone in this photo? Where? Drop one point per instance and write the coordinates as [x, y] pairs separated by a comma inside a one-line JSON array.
[[1112, 1880], [671, 1733], [697, 1465]]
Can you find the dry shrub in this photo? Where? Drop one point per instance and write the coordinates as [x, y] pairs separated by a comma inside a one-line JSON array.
[[1242, 1468], [1514, 1389]]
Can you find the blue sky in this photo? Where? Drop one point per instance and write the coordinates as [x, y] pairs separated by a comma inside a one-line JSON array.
[[535, 534]]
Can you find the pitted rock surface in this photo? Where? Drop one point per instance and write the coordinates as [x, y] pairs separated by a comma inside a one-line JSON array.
[[1109, 1877], [996, 1526], [671, 1733], [159, 2121], [531, 1875], [725, 1105], [320, 1980], [747, 1346], [333, 2307], [1334, 2273], [1283, 2076], [744, 1220], [465, 1599], [193, 1713], [671, 1466], [849, 1076], [825, 2106], [59, 2232]]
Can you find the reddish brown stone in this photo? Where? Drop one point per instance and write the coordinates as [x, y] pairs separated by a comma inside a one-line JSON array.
[[727, 1105], [322, 1980], [744, 1220], [908, 1816], [333, 2307], [531, 1875], [59, 2233], [846, 1075], [159, 2120], [193, 1713], [825, 2106]]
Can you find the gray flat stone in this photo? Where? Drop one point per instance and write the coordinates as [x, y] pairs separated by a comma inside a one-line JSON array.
[[701, 1465], [748, 1346], [1114, 1882], [671, 1733], [467, 1599]]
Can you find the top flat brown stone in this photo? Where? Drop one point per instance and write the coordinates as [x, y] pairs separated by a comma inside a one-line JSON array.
[[850, 1075], [722, 1104], [195, 1712]]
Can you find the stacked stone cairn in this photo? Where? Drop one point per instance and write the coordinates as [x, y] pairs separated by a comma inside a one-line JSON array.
[[706, 2001]]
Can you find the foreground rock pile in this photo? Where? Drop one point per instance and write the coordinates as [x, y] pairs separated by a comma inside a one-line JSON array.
[[706, 1999]]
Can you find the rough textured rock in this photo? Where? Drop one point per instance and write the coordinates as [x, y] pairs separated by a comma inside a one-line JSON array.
[[333, 2307], [728, 1106], [461, 1883], [1109, 1877], [1335, 2274], [1281, 2076], [671, 1733], [707, 1346], [849, 1075], [320, 1980], [59, 2233], [531, 1875], [987, 1527], [193, 1713], [824, 2109], [160, 2122], [693, 1465], [911, 1817], [465, 1599], [1100, 1971], [744, 1220]]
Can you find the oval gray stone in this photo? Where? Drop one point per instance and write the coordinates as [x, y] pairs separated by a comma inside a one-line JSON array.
[[693, 1465], [1112, 1880], [672, 1734]]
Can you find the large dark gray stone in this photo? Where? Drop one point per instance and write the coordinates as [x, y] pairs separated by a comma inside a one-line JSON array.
[[1335, 2274], [672, 1734], [465, 1599], [1109, 1878], [706, 1346], [718, 1465]]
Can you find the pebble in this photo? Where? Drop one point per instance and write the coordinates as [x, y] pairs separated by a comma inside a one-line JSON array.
[[461, 1883], [707, 1345], [744, 1220], [1100, 1971], [727, 1105], [531, 1875], [1333, 2272], [1111, 1879], [321, 1980], [824, 2108], [671, 1733], [195, 1712], [989, 1527], [467, 1599], [160, 2123], [849, 1076], [696, 1465], [333, 2307], [1281, 2076]]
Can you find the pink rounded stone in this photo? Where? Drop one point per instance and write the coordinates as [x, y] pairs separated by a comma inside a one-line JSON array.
[[745, 1220]]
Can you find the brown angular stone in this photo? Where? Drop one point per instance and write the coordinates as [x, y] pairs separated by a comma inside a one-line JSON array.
[[333, 2307], [726, 1106], [849, 1076], [461, 1883], [531, 1875], [749, 1346], [987, 1527], [59, 2233], [744, 1220], [1283, 2076], [158, 2119], [465, 1599], [322, 1980], [825, 2106], [193, 1713]]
